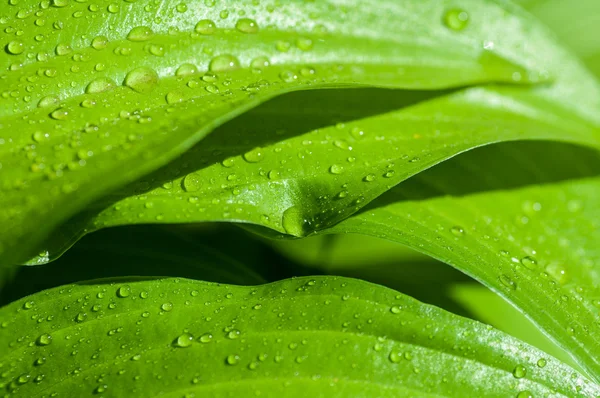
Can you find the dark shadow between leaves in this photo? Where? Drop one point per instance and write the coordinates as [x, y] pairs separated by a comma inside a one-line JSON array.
[[201, 252], [501, 166]]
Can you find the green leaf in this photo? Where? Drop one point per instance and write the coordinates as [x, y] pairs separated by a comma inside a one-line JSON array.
[[272, 340], [487, 307], [309, 177], [96, 96], [538, 250]]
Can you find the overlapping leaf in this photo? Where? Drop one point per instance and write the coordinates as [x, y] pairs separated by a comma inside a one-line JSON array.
[[537, 249], [95, 96], [577, 25], [174, 337]]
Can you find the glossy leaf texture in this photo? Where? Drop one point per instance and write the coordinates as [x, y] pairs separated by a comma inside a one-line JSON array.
[[419, 276], [538, 250], [274, 339], [576, 24], [95, 96], [305, 178], [487, 307]]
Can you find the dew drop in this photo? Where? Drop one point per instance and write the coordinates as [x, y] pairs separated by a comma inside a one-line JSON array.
[[456, 19], [336, 169], [395, 357], [80, 317], [205, 27], [519, 371], [123, 291], [44, 339], [99, 42], [507, 281], [143, 80], [232, 360], [542, 363], [174, 97], [283, 46], [63, 49], [191, 183], [246, 25], [457, 231], [395, 309], [233, 334], [60, 114], [48, 101], [212, 88], [288, 76], [254, 156], [223, 63], [40, 136], [260, 63], [183, 341], [99, 85], [529, 262], [293, 221], [206, 338], [140, 33], [166, 307], [304, 44], [186, 70], [15, 47], [525, 394], [369, 178], [24, 378]]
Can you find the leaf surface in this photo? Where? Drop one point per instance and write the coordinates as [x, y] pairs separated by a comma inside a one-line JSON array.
[[270, 340], [303, 179], [538, 250], [96, 96]]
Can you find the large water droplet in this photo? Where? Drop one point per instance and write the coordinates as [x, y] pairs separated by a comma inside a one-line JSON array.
[[186, 70], [293, 221], [232, 360], [63, 49], [205, 27], [60, 114], [142, 80], [519, 371], [395, 357], [206, 338], [456, 19], [529, 262], [99, 85], [223, 63], [174, 97], [99, 42], [336, 169], [191, 183], [254, 156], [124, 291], [140, 33], [15, 47], [183, 341], [246, 25], [44, 339]]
